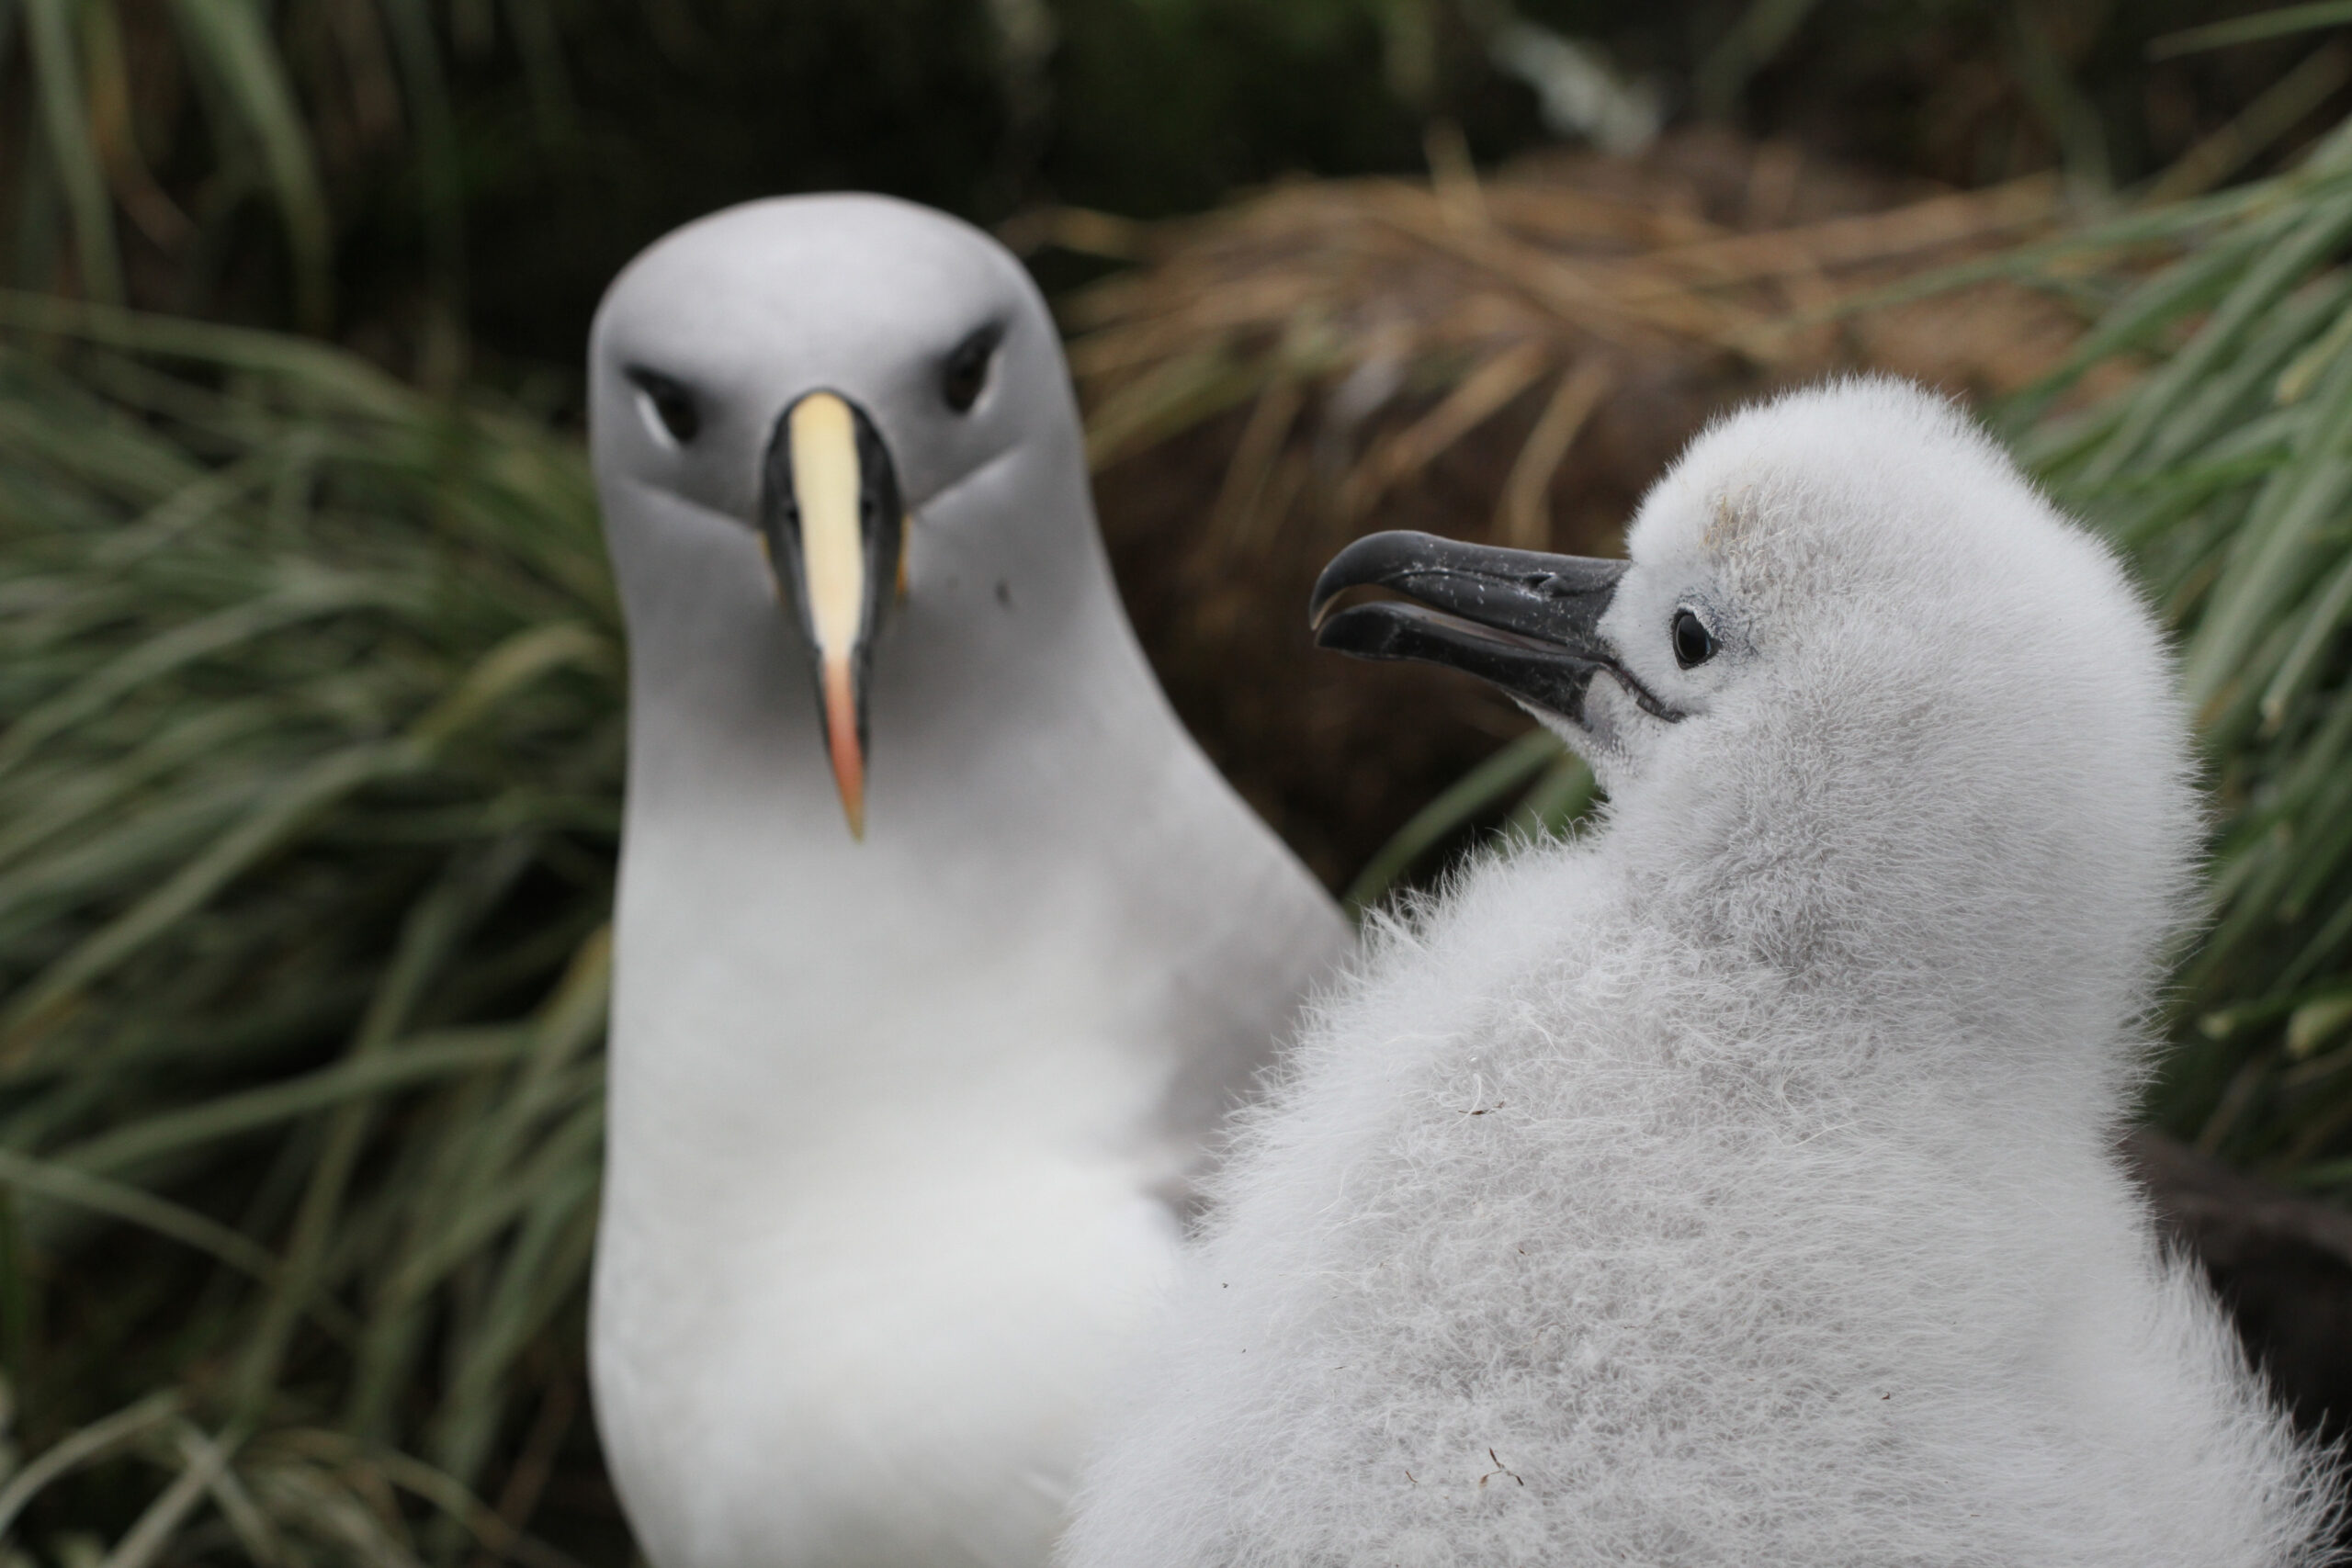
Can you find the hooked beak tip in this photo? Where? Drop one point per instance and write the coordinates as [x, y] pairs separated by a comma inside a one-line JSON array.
[[1371, 561]]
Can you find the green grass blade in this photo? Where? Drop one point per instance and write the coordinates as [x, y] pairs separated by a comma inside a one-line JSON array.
[[2278, 23], [1480, 790], [62, 1184], [422, 1060], [79, 1448], [290, 809], [73, 149], [233, 37], [1564, 793]]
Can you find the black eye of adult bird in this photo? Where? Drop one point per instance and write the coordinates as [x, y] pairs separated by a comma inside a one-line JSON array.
[[673, 404], [1693, 643], [965, 374]]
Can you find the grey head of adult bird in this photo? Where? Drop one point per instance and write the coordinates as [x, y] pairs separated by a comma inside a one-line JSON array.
[[902, 1109]]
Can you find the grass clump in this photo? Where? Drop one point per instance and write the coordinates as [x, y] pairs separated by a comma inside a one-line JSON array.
[[2225, 469], [308, 794]]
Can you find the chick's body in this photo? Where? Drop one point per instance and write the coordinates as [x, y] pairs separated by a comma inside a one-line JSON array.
[[1734, 1184]]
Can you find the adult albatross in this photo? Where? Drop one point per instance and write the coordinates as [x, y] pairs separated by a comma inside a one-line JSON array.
[[941, 947]]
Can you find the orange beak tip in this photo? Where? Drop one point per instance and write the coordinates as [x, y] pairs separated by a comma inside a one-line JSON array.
[[841, 743], [849, 778]]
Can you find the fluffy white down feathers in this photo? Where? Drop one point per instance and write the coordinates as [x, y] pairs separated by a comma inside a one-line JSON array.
[[1734, 1184]]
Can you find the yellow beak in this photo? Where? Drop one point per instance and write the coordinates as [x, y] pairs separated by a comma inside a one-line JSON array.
[[834, 530]]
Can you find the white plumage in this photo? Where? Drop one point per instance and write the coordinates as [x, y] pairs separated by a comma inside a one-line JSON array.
[[1734, 1184], [899, 1128]]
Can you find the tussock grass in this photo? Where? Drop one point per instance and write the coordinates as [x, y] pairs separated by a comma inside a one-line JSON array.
[[308, 798], [2226, 469], [1487, 290]]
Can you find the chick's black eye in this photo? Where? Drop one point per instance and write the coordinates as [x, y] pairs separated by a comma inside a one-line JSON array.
[[674, 405], [966, 373], [1693, 643]]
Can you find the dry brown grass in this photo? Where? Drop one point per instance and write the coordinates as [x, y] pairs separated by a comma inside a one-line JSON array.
[[1510, 358]]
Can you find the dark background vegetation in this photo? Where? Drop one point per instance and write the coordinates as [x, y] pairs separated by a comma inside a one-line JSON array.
[[488, 164]]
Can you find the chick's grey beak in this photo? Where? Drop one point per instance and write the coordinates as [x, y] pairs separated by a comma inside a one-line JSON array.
[[834, 533], [1526, 622]]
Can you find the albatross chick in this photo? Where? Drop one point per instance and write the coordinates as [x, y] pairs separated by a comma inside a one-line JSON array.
[[1735, 1183]]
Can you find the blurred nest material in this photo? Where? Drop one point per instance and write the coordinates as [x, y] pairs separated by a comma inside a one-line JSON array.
[[1513, 359]]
